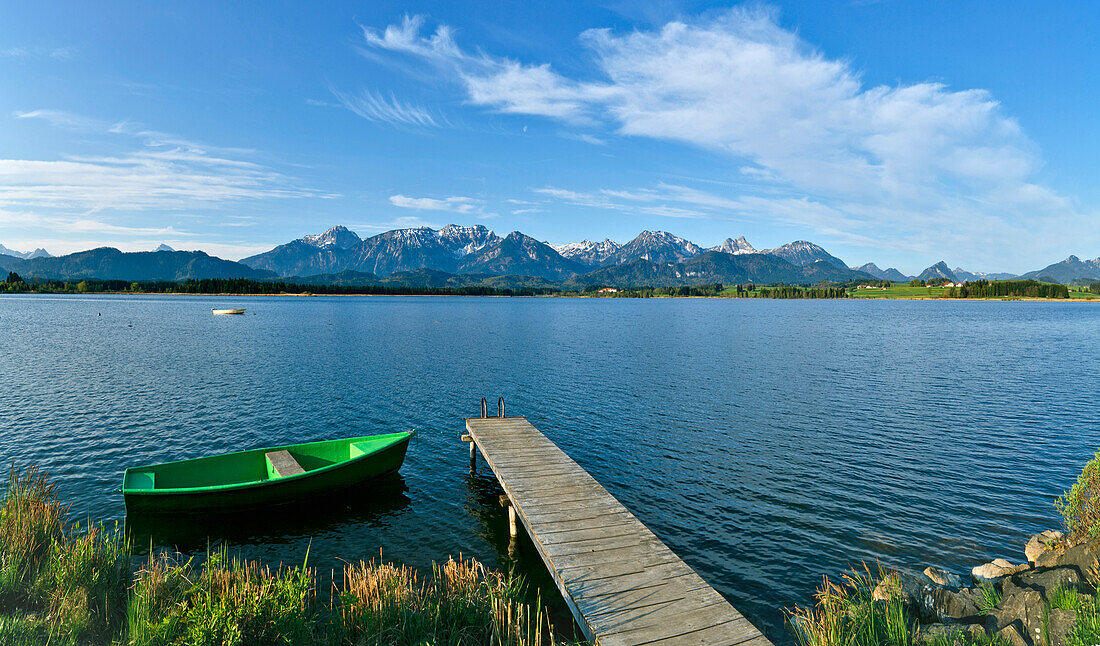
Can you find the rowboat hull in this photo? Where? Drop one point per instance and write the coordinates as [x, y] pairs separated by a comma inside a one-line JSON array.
[[246, 480], [227, 311]]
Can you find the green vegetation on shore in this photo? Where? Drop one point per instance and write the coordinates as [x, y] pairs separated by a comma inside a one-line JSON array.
[[1080, 506], [982, 289], [64, 584]]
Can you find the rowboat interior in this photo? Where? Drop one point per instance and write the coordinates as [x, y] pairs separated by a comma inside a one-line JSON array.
[[259, 465]]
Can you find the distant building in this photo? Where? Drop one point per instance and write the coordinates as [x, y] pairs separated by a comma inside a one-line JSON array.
[[608, 290]]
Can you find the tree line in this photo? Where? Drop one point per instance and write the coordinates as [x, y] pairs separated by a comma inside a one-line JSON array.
[[15, 283], [1009, 288]]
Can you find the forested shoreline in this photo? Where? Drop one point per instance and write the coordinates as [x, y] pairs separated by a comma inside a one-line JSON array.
[[981, 289]]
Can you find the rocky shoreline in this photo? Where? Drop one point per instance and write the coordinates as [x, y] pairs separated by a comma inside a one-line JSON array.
[[1011, 603]]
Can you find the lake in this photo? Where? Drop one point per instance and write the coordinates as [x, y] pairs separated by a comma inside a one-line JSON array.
[[766, 442]]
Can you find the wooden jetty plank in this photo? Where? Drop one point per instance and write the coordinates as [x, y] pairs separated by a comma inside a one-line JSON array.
[[622, 583]]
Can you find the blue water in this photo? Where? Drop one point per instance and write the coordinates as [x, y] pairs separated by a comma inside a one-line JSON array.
[[766, 442]]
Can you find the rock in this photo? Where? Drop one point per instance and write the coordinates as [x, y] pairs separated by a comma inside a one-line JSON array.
[[996, 569], [943, 605], [1011, 636], [1082, 557], [1046, 580], [959, 635], [939, 576], [900, 585], [1059, 624], [1040, 543], [1024, 610]]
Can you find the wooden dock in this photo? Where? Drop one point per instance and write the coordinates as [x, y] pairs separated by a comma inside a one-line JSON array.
[[622, 583]]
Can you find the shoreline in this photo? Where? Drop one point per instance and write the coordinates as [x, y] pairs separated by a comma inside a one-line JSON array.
[[577, 296]]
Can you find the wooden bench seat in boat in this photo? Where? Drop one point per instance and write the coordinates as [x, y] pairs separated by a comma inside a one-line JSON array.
[[284, 464]]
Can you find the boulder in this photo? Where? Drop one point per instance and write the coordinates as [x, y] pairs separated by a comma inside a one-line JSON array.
[[1022, 610], [900, 585], [1011, 636], [942, 605], [1040, 543], [1082, 557], [995, 569], [1044, 581], [1059, 624], [939, 576], [958, 635]]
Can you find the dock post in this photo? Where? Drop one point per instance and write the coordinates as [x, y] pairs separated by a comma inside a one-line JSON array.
[[505, 501], [473, 453]]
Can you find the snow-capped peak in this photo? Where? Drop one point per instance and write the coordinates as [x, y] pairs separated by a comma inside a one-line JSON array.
[[735, 247], [466, 240], [588, 252], [338, 236]]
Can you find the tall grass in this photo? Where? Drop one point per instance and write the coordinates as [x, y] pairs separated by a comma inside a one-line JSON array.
[[58, 584], [463, 603], [846, 614], [991, 598], [227, 602], [1086, 632], [62, 584], [31, 520]]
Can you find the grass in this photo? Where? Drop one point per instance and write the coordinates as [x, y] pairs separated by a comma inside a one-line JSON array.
[[991, 598], [846, 614], [63, 584], [899, 290]]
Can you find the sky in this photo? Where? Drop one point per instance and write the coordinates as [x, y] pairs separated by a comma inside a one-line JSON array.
[[900, 133]]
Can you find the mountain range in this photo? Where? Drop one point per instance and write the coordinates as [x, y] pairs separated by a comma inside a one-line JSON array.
[[37, 253], [459, 256]]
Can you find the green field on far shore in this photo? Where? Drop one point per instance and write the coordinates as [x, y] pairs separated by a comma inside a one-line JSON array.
[[904, 290]]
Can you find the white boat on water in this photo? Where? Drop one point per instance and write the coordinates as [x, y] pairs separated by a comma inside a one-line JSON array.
[[228, 311]]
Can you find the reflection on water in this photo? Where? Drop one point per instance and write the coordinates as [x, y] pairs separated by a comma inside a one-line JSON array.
[[192, 533]]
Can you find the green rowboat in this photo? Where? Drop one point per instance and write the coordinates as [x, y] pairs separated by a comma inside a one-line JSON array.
[[262, 477]]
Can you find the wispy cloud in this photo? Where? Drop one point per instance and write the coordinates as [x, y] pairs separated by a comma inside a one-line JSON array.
[[57, 53], [455, 204], [800, 128], [375, 107], [163, 172]]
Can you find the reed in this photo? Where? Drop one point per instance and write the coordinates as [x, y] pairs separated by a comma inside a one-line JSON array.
[[31, 521], [227, 602], [463, 603]]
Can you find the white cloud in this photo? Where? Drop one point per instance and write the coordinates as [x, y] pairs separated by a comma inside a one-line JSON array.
[[164, 172], [881, 162], [454, 204], [377, 108]]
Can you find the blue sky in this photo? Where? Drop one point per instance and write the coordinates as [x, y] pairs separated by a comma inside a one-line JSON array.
[[895, 132]]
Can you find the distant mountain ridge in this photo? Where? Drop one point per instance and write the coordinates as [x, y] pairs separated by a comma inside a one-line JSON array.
[[339, 249], [108, 263], [588, 253], [437, 256], [735, 247], [890, 274], [938, 270], [1070, 269], [24, 255], [655, 246], [802, 252]]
